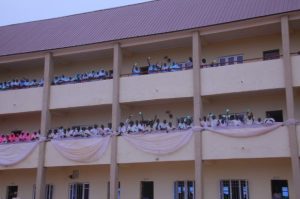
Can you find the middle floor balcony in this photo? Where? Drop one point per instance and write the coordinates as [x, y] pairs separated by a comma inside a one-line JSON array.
[[274, 144]]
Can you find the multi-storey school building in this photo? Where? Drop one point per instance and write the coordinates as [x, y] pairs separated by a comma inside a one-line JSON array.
[[245, 56]]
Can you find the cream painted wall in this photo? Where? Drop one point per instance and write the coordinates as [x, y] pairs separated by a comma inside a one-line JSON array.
[[156, 86], [82, 94], [274, 144], [258, 172], [252, 47], [297, 103], [25, 121], [242, 77], [23, 178], [73, 68], [296, 70], [86, 116], [295, 40], [22, 100], [96, 176], [18, 72]]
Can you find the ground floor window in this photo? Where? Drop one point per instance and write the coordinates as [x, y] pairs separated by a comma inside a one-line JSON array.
[[147, 190], [12, 192], [280, 189], [79, 191], [48, 191], [234, 189], [108, 190], [184, 190]]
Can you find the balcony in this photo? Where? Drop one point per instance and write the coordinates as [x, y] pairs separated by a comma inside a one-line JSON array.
[[252, 76], [296, 70], [81, 94], [129, 154], [274, 144], [21, 100], [53, 158], [156, 86], [30, 162]]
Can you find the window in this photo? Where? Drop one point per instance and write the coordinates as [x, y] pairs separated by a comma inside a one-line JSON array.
[[108, 190], [276, 115], [229, 60], [234, 189], [79, 191], [280, 189], [147, 191], [184, 190], [271, 54], [12, 192], [48, 191]]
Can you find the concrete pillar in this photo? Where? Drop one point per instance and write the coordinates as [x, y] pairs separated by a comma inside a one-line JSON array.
[[197, 51], [45, 125], [116, 115], [289, 94]]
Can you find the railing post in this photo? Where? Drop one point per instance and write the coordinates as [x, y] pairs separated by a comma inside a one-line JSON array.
[[45, 125], [116, 114], [197, 51], [290, 104]]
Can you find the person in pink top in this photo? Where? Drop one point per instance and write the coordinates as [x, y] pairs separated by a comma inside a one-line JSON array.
[[22, 137], [1, 139], [11, 137], [17, 138], [28, 137]]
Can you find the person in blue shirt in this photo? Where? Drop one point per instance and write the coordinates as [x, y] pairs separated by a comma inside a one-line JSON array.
[[136, 70], [175, 67]]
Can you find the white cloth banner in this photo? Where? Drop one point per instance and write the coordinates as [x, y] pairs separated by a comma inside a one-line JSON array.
[[244, 132], [82, 150], [11, 154], [160, 143]]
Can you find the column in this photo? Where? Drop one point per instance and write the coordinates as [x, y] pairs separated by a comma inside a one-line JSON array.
[[197, 51], [45, 125], [116, 115], [290, 107]]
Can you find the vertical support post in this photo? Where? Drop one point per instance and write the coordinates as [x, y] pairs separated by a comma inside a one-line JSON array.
[[197, 51], [45, 125], [290, 104], [116, 115]]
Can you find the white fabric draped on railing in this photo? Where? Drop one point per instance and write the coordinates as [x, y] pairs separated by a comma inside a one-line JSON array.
[[11, 154], [82, 150], [160, 143], [246, 131]]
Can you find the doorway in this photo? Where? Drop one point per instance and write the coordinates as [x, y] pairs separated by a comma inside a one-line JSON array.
[[12, 192], [280, 189], [147, 190]]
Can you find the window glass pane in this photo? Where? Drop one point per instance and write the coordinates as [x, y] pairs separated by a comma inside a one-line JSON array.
[[225, 189], [191, 189], [240, 59], [86, 191], [244, 189], [231, 60], [179, 190], [222, 61]]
